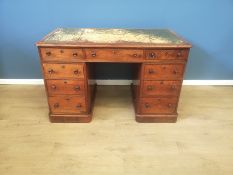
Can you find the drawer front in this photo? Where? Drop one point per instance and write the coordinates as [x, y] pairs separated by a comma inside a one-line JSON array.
[[61, 54], [163, 72], [160, 88], [57, 71], [114, 54], [166, 54], [158, 105], [67, 104], [56, 87]]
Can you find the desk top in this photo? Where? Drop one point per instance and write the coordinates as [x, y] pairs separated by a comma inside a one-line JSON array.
[[103, 37]]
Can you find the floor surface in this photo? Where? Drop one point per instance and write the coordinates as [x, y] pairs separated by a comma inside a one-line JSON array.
[[200, 143]]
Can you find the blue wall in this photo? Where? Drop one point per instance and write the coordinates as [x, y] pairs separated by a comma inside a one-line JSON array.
[[207, 24]]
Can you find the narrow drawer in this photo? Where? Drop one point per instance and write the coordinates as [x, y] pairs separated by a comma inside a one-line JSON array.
[[56, 87], [163, 71], [161, 88], [167, 54], [158, 105], [62, 71], [61, 54], [130, 55], [67, 104]]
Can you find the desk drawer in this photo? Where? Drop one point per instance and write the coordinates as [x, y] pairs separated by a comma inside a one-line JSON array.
[[161, 88], [67, 104], [167, 54], [62, 71], [158, 105], [56, 87], [163, 71], [115, 55], [61, 54]]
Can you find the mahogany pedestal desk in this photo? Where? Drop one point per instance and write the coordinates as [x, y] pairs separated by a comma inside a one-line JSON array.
[[67, 58]]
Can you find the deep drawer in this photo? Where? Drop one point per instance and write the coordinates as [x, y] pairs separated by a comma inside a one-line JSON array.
[[67, 104], [158, 105]]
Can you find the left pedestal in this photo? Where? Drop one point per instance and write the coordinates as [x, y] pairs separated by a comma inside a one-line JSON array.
[[70, 91]]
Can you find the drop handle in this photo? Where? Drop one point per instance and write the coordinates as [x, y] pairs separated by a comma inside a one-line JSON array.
[[152, 55], [175, 71], [75, 54], [77, 88], [56, 105], [179, 54], [76, 72], [78, 106], [136, 55], [53, 87], [169, 105], [93, 54], [173, 87], [48, 53], [147, 105], [50, 71], [151, 71], [150, 88]]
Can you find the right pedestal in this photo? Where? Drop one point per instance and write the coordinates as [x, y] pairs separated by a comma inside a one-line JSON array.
[[156, 90]]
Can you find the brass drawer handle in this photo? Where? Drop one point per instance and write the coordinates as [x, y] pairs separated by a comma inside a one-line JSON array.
[[78, 106], [151, 71], [175, 72], [150, 88], [76, 72], [93, 54], [56, 105], [77, 88], [75, 54], [173, 87], [179, 54], [50, 71], [169, 105], [48, 53], [152, 55], [147, 105], [53, 87], [136, 55]]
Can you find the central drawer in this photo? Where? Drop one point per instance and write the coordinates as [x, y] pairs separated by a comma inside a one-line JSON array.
[[67, 104], [114, 54], [56, 87], [62, 71]]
